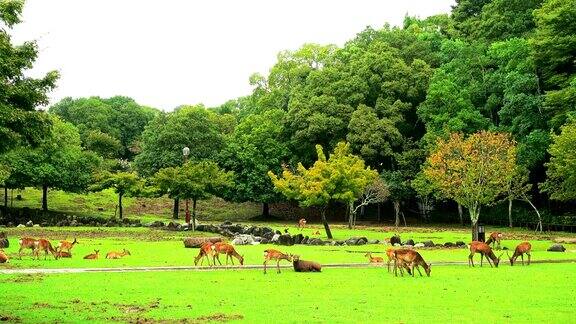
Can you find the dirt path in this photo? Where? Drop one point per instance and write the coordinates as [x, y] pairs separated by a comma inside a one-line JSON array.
[[270, 267]]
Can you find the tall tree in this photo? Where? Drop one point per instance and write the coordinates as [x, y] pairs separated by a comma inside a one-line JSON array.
[[561, 170], [123, 183]]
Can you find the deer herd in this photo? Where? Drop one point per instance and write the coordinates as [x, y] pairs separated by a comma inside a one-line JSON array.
[[400, 258]]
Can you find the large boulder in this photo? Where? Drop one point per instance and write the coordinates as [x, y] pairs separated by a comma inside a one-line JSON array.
[[305, 240], [156, 224], [29, 223], [449, 244], [173, 226], [461, 244], [243, 239], [373, 241], [395, 240], [285, 239], [315, 241], [356, 241], [275, 238], [428, 243], [557, 248], [298, 238], [409, 242]]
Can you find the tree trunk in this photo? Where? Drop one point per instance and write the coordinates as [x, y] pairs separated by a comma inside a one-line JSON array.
[[193, 214], [510, 213], [460, 214], [350, 214], [396, 204], [176, 208], [474, 231], [6, 197], [120, 205], [539, 225], [265, 210], [325, 222], [45, 197], [474, 216], [379, 212]]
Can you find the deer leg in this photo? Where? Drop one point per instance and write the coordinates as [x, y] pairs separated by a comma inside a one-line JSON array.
[[522, 257], [417, 268], [388, 264], [278, 265], [481, 258], [529, 257], [231, 260], [265, 265]]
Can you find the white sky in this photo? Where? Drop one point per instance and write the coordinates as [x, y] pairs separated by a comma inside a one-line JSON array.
[[173, 52]]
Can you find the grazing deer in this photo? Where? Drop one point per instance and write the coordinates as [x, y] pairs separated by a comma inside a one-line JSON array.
[[227, 249], [373, 259], [65, 245], [302, 223], [485, 252], [410, 259], [46, 246], [494, 239], [205, 252], [63, 254], [117, 255], [521, 249], [3, 257], [26, 243], [272, 254], [93, 256]]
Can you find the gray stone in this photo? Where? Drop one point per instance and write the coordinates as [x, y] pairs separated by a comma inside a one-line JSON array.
[[409, 242], [298, 238], [156, 224], [29, 223], [419, 245], [461, 244], [285, 239], [21, 225], [428, 243], [36, 225], [556, 248], [395, 240], [243, 239], [264, 241], [315, 241], [449, 244], [275, 238], [373, 241]]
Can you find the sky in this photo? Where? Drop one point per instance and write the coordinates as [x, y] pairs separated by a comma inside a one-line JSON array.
[[174, 52]]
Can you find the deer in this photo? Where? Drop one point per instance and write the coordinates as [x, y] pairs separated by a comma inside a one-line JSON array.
[[227, 249], [305, 266], [205, 252], [301, 223], [93, 256], [63, 254], [391, 257], [65, 245], [272, 254], [410, 259], [494, 239], [521, 249], [3, 257], [485, 252], [26, 243], [117, 255], [46, 246], [373, 259]]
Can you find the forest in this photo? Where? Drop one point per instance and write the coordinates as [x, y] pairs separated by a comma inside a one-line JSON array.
[[450, 112]]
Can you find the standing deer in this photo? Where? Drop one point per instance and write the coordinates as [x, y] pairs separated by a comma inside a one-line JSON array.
[[485, 252], [205, 252], [302, 223], [272, 254], [46, 246], [66, 246], [373, 259], [410, 259], [26, 243], [227, 249], [521, 249], [93, 256], [3, 257], [494, 239], [117, 255], [391, 257]]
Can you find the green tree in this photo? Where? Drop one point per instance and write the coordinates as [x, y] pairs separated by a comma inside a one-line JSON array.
[[193, 180], [341, 177], [473, 171], [103, 144], [123, 183], [4, 175], [20, 95], [560, 183]]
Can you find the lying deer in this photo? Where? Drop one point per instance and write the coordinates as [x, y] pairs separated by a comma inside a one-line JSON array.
[[410, 259], [272, 254], [485, 252], [26, 243], [3, 257], [63, 254], [227, 249], [494, 239], [305, 266], [302, 223], [373, 259], [93, 256], [521, 249], [117, 255], [206, 251], [66, 246], [43, 245]]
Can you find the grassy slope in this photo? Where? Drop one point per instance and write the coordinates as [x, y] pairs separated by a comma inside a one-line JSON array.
[[452, 294]]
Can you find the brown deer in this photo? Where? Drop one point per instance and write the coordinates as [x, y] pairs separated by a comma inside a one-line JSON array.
[[227, 249], [305, 266], [302, 223], [26, 243], [373, 259], [272, 254], [494, 239], [93, 256], [391, 257], [485, 252], [63, 254], [117, 255], [521, 249], [46, 246], [410, 259], [66, 246], [205, 252], [3, 257]]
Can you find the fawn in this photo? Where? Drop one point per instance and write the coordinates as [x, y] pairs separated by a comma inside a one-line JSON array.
[[373, 259], [117, 255], [272, 254], [93, 256]]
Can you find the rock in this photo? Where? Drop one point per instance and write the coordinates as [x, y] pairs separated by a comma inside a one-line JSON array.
[[460, 244], [340, 242], [275, 238], [36, 225], [449, 244], [556, 248], [419, 245], [74, 223], [409, 242], [264, 241], [243, 239], [267, 230], [257, 238], [428, 243], [173, 226], [278, 232], [285, 239], [305, 240], [315, 241], [21, 225], [29, 223], [356, 241], [268, 235], [156, 224], [395, 240], [373, 241], [298, 238]]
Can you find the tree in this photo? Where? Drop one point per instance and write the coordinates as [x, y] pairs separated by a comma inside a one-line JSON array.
[[4, 175], [193, 180], [519, 189], [473, 171], [425, 191], [103, 144], [561, 170], [399, 187], [376, 192], [341, 177], [20, 95], [123, 183]]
